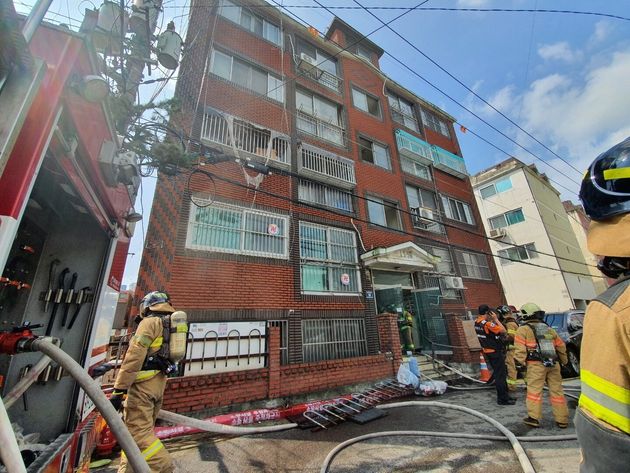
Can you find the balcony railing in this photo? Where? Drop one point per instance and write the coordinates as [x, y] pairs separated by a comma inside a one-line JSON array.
[[327, 166], [319, 75], [315, 126], [425, 153], [247, 137], [427, 219]]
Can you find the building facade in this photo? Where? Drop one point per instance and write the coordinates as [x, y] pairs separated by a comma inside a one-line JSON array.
[[579, 223], [536, 251], [368, 206]]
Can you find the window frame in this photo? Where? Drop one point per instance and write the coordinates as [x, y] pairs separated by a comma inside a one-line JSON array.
[[265, 22], [374, 143], [272, 90], [318, 119], [398, 109], [364, 52], [495, 187], [504, 215], [379, 112], [463, 265], [431, 121], [447, 210], [528, 248], [326, 190], [375, 200], [328, 263], [242, 231]]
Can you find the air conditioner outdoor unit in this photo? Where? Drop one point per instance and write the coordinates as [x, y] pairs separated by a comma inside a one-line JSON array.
[[453, 282], [426, 214], [498, 233], [308, 59]]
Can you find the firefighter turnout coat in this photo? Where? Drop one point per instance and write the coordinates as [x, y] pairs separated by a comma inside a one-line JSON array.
[[527, 351], [511, 326], [603, 418], [145, 391]]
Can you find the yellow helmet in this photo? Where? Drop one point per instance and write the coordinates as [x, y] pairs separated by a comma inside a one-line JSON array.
[[531, 310]]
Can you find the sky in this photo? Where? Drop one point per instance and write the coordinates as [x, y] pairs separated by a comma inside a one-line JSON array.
[[563, 78]]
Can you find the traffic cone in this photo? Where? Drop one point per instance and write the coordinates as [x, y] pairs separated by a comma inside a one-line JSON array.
[[483, 368]]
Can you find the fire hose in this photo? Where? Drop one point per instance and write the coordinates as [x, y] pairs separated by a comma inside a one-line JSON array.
[[26, 382], [207, 426], [10, 451]]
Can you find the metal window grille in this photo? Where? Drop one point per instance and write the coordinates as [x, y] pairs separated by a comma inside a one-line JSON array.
[[425, 219], [325, 78], [473, 265], [432, 280], [244, 136], [327, 164], [315, 126], [333, 339], [310, 191], [284, 339]]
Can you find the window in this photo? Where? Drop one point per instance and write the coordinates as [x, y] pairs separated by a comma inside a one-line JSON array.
[[328, 259], [364, 52], [517, 253], [402, 112], [473, 265], [509, 218], [257, 25], [374, 153], [415, 168], [383, 212], [424, 209], [457, 210], [319, 117], [366, 102], [228, 229], [432, 122], [247, 76], [446, 265], [333, 339], [319, 66], [321, 194], [496, 188]]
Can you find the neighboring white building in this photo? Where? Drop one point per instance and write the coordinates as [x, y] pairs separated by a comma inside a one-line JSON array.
[[520, 207]]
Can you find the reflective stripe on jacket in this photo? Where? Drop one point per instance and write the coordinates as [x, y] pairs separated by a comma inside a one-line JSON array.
[[146, 341], [489, 335], [511, 326], [605, 358]]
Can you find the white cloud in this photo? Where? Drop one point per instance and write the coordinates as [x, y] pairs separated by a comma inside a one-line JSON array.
[[558, 51], [602, 30]]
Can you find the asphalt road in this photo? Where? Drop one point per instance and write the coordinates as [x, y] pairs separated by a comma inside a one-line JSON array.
[[304, 451]]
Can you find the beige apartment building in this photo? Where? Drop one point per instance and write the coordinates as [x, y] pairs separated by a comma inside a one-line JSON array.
[[537, 253]]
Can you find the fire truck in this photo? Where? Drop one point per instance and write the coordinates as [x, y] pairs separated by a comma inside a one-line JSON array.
[[67, 194]]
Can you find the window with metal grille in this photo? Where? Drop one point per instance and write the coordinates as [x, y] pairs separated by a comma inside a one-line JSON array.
[[229, 229], [320, 117], [402, 111], [432, 122], [473, 265], [328, 260], [321, 194], [333, 339]]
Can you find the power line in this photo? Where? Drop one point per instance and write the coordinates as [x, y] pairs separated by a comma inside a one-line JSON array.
[[469, 89], [358, 219], [439, 9]]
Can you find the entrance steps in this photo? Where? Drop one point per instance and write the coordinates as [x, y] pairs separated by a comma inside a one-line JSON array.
[[433, 371]]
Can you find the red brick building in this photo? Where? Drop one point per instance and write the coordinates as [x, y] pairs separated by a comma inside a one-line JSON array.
[[368, 204]]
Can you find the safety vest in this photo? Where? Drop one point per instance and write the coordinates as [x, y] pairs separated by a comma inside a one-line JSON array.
[[487, 339], [605, 361]]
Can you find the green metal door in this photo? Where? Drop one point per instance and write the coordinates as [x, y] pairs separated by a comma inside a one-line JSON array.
[[430, 326], [385, 298]]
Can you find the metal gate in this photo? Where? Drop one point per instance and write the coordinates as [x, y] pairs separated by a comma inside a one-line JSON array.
[[430, 323]]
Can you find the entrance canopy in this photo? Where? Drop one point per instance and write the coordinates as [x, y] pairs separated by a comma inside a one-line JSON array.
[[406, 257]]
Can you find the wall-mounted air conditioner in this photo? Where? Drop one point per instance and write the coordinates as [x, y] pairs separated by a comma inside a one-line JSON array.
[[426, 214], [453, 282], [308, 59], [498, 233]]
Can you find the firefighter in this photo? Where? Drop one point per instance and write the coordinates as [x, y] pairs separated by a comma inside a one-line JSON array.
[[405, 324], [143, 374], [490, 332], [541, 348], [602, 420], [511, 326]]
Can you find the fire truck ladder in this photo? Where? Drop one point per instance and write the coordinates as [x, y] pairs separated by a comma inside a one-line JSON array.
[[359, 408]]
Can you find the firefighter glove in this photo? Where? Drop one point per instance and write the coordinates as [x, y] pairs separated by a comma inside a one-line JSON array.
[[117, 398]]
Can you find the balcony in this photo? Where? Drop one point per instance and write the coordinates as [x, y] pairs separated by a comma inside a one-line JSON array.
[[308, 68], [326, 166], [320, 128], [418, 150], [236, 135], [426, 219]]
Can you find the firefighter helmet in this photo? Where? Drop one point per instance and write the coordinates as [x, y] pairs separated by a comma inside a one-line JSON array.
[[531, 311], [605, 194], [504, 310], [157, 301]]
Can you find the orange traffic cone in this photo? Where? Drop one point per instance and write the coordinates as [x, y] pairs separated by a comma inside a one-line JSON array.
[[484, 371]]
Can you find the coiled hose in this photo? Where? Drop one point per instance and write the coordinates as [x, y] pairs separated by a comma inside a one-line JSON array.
[[523, 459]]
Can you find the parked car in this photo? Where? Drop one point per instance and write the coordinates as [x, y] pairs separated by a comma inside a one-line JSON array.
[[569, 324]]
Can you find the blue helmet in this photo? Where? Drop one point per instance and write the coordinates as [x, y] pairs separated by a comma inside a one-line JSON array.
[[605, 190], [153, 298]]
